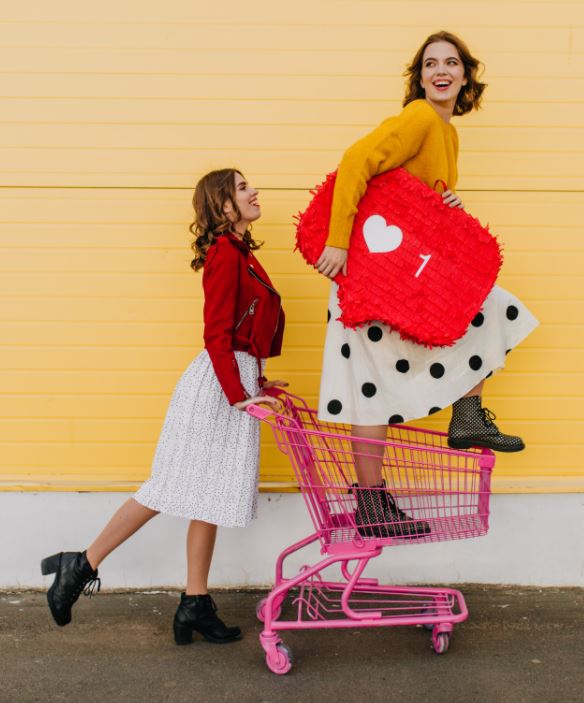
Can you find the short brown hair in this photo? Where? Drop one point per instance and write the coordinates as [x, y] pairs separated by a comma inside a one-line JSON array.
[[469, 97], [211, 193]]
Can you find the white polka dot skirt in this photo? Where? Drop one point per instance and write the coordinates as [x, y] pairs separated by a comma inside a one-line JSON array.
[[371, 376], [206, 462]]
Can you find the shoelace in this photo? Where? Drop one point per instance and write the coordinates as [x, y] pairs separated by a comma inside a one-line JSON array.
[[403, 516], [388, 497], [92, 586], [88, 588], [488, 417]]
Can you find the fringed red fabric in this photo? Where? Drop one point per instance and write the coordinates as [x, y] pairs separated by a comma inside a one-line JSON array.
[[420, 267]]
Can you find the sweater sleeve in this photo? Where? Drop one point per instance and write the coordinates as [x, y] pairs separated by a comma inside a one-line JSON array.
[[220, 287], [390, 145]]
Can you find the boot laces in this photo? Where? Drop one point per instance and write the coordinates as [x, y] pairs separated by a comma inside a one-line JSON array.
[[391, 501], [395, 509], [489, 417], [93, 585], [88, 587]]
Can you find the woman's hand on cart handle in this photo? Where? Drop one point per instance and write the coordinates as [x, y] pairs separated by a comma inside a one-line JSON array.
[[451, 199], [256, 400], [331, 261], [272, 384]]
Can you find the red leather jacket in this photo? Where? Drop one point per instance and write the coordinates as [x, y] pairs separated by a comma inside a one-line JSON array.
[[242, 312]]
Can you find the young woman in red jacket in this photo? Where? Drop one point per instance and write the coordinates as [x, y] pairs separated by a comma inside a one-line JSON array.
[[206, 463]]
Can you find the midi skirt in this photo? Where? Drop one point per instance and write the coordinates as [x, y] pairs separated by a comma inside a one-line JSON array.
[[206, 462], [371, 376]]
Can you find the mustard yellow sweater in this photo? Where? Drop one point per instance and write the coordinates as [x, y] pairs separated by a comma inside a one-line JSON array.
[[417, 139]]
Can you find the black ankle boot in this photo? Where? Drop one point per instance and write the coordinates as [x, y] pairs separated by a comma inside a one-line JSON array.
[[472, 426], [407, 527], [377, 514], [370, 516], [200, 613], [73, 574]]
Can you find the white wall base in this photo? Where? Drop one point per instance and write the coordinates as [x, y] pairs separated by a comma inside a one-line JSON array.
[[534, 540]]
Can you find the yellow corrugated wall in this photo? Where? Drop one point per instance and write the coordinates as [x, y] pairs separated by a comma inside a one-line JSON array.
[[111, 111]]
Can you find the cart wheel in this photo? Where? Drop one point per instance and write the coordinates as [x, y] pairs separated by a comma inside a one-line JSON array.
[[261, 611], [279, 660], [440, 642]]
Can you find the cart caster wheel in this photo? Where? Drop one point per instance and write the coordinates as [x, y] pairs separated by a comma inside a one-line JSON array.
[[279, 660], [440, 642], [261, 611]]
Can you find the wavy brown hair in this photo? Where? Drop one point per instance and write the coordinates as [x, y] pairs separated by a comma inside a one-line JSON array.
[[211, 194], [470, 95]]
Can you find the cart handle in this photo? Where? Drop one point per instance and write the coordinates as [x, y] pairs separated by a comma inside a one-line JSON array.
[[261, 412]]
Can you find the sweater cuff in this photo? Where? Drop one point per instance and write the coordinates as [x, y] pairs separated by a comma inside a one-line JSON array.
[[338, 241]]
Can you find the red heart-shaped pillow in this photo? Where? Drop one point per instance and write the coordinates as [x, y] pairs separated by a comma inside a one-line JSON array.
[[415, 264]]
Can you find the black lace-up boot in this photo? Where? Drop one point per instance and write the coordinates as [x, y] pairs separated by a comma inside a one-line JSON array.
[[370, 516], [378, 515], [407, 527], [472, 426], [200, 613], [73, 575]]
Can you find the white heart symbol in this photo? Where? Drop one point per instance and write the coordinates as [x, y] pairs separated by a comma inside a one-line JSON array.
[[381, 237]]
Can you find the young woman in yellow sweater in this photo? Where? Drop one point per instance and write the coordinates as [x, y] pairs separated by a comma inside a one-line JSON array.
[[372, 377]]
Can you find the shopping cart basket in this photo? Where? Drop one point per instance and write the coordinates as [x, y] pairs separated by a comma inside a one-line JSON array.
[[428, 493]]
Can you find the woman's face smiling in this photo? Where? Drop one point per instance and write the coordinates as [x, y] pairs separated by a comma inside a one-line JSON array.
[[246, 199], [442, 74]]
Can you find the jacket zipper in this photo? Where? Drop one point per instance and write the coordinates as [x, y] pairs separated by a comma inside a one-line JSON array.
[[249, 311], [255, 275]]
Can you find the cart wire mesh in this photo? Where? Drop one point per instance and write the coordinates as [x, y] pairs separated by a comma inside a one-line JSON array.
[[444, 490]]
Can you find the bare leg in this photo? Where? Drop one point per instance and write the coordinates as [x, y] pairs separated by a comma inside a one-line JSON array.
[[369, 457], [129, 518], [477, 390], [200, 546]]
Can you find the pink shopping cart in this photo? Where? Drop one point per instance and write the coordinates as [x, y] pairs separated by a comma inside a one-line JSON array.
[[429, 493]]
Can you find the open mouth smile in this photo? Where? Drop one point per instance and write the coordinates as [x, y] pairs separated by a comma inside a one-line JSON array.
[[442, 84]]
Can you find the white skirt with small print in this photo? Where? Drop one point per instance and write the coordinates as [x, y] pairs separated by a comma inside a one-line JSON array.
[[371, 376], [206, 462]]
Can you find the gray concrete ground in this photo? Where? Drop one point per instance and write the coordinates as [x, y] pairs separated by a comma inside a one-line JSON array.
[[518, 646]]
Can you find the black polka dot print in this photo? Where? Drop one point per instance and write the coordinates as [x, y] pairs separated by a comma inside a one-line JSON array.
[[403, 365], [507, 351], [512, 312], [375, 333], [328, 315], [371, 375], [475, 362], [369, 390], [334, 407]]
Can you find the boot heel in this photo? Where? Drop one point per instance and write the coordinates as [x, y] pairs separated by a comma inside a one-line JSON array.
[[50, 565], [183, 634]]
